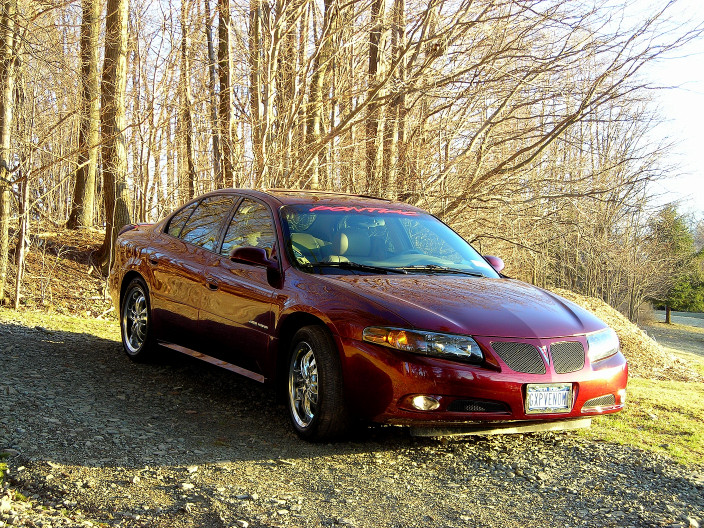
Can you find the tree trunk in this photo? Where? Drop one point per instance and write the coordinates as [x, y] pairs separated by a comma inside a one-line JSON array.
[[21, 239], [398, 172], [171, 174], [23, 209], [317, 88], [225, 74], [212, 83], [668, 319], [186, 103], [255, 84], [8, 13], [112, 118], [89, 133], [299, 136], [285, 78], [373, 114]]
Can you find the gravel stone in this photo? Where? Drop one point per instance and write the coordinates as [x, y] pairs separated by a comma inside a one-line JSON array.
[[87, 433]]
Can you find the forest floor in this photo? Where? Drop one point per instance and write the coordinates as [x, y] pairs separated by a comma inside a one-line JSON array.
[[91, 439], [59, 277]]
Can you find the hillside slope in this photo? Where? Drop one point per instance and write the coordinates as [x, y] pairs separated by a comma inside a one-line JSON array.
[[646, 358]]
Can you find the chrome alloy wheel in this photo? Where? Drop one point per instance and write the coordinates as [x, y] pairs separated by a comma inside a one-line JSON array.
[[303, 385], [135, 313]]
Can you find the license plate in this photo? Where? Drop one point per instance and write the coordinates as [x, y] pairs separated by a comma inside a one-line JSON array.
[[548, 398]]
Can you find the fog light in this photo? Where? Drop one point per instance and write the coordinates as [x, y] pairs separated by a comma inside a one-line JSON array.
[[622, 395], [425, 403]]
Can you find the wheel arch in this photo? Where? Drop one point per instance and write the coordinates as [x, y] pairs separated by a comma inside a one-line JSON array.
[[129, 277], [289, 326]]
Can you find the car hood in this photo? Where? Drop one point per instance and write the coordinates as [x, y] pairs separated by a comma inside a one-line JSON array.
[[473, 305]]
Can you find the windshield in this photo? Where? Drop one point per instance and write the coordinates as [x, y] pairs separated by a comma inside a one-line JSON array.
[[373, 239]]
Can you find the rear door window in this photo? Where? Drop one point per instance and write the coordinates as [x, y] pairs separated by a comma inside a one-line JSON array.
[[203, 227]]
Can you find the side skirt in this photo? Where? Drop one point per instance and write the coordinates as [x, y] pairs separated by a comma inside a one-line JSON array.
[[214, 361]]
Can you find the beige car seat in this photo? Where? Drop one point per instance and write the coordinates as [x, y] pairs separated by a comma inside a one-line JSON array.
[[351, 245]]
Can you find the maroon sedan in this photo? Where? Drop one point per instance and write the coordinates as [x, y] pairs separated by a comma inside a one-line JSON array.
[[362, 310]]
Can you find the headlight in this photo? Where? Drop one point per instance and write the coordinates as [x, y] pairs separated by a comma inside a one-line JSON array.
[[448, 346], [602, 344]]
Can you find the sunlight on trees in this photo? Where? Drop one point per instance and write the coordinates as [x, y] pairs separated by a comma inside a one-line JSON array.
[[522, 124]]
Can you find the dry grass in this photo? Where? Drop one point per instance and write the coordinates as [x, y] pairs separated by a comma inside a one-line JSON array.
[[58, 276]]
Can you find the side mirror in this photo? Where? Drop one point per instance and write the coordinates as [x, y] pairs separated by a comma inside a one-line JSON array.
[[254, 256], [496, 262]]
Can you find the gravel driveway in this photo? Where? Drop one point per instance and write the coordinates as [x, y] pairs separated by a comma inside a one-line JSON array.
[[96, 439]]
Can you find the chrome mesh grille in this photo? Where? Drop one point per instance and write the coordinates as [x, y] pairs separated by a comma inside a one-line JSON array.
[[567, 356], [520, 357], [602, 401]]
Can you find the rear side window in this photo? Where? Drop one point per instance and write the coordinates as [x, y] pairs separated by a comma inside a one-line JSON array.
[[203, 227], [179, 220]]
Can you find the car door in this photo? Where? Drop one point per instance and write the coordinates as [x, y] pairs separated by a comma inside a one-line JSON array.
[[177, 262], [236, 309]]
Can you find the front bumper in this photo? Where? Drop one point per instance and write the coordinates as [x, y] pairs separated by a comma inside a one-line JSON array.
[[380, 384]]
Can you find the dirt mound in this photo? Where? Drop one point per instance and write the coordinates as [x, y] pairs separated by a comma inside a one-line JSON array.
[[58, 274], [646, 358]]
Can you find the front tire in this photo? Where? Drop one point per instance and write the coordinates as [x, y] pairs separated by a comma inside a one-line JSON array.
[[135, 321], [315, 394]]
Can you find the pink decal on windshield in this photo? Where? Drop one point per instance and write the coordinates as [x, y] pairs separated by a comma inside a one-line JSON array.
[[349, 209]]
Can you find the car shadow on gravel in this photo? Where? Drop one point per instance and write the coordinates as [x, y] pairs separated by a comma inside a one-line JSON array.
[[77, 399]]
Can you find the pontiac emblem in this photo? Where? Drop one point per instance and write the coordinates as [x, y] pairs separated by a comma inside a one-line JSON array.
[[544, 352]]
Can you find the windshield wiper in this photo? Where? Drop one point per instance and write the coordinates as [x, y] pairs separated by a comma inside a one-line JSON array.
[[435, 268], [353, 266]]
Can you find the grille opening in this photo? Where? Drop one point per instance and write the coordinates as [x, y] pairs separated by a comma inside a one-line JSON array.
[[477, 406], [520, 357], [567, 356], [602, 401]]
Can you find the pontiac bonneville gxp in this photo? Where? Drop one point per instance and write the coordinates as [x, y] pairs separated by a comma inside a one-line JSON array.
[[361, 310]]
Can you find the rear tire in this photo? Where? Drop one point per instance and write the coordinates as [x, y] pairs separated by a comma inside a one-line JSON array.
[[135, 322], [315, 393]]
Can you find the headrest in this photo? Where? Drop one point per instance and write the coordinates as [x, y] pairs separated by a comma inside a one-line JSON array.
[[354, 243]]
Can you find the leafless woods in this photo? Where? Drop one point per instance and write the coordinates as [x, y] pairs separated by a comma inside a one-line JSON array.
[[522, 123]]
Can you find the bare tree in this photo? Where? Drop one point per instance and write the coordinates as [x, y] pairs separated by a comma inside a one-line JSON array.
[[212, 85], [82, 208], [8, 61], [112, 112], [520, 122], [186, 101], [227, 128]]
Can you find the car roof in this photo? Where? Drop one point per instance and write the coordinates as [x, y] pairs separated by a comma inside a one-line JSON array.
[[305, 196]]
